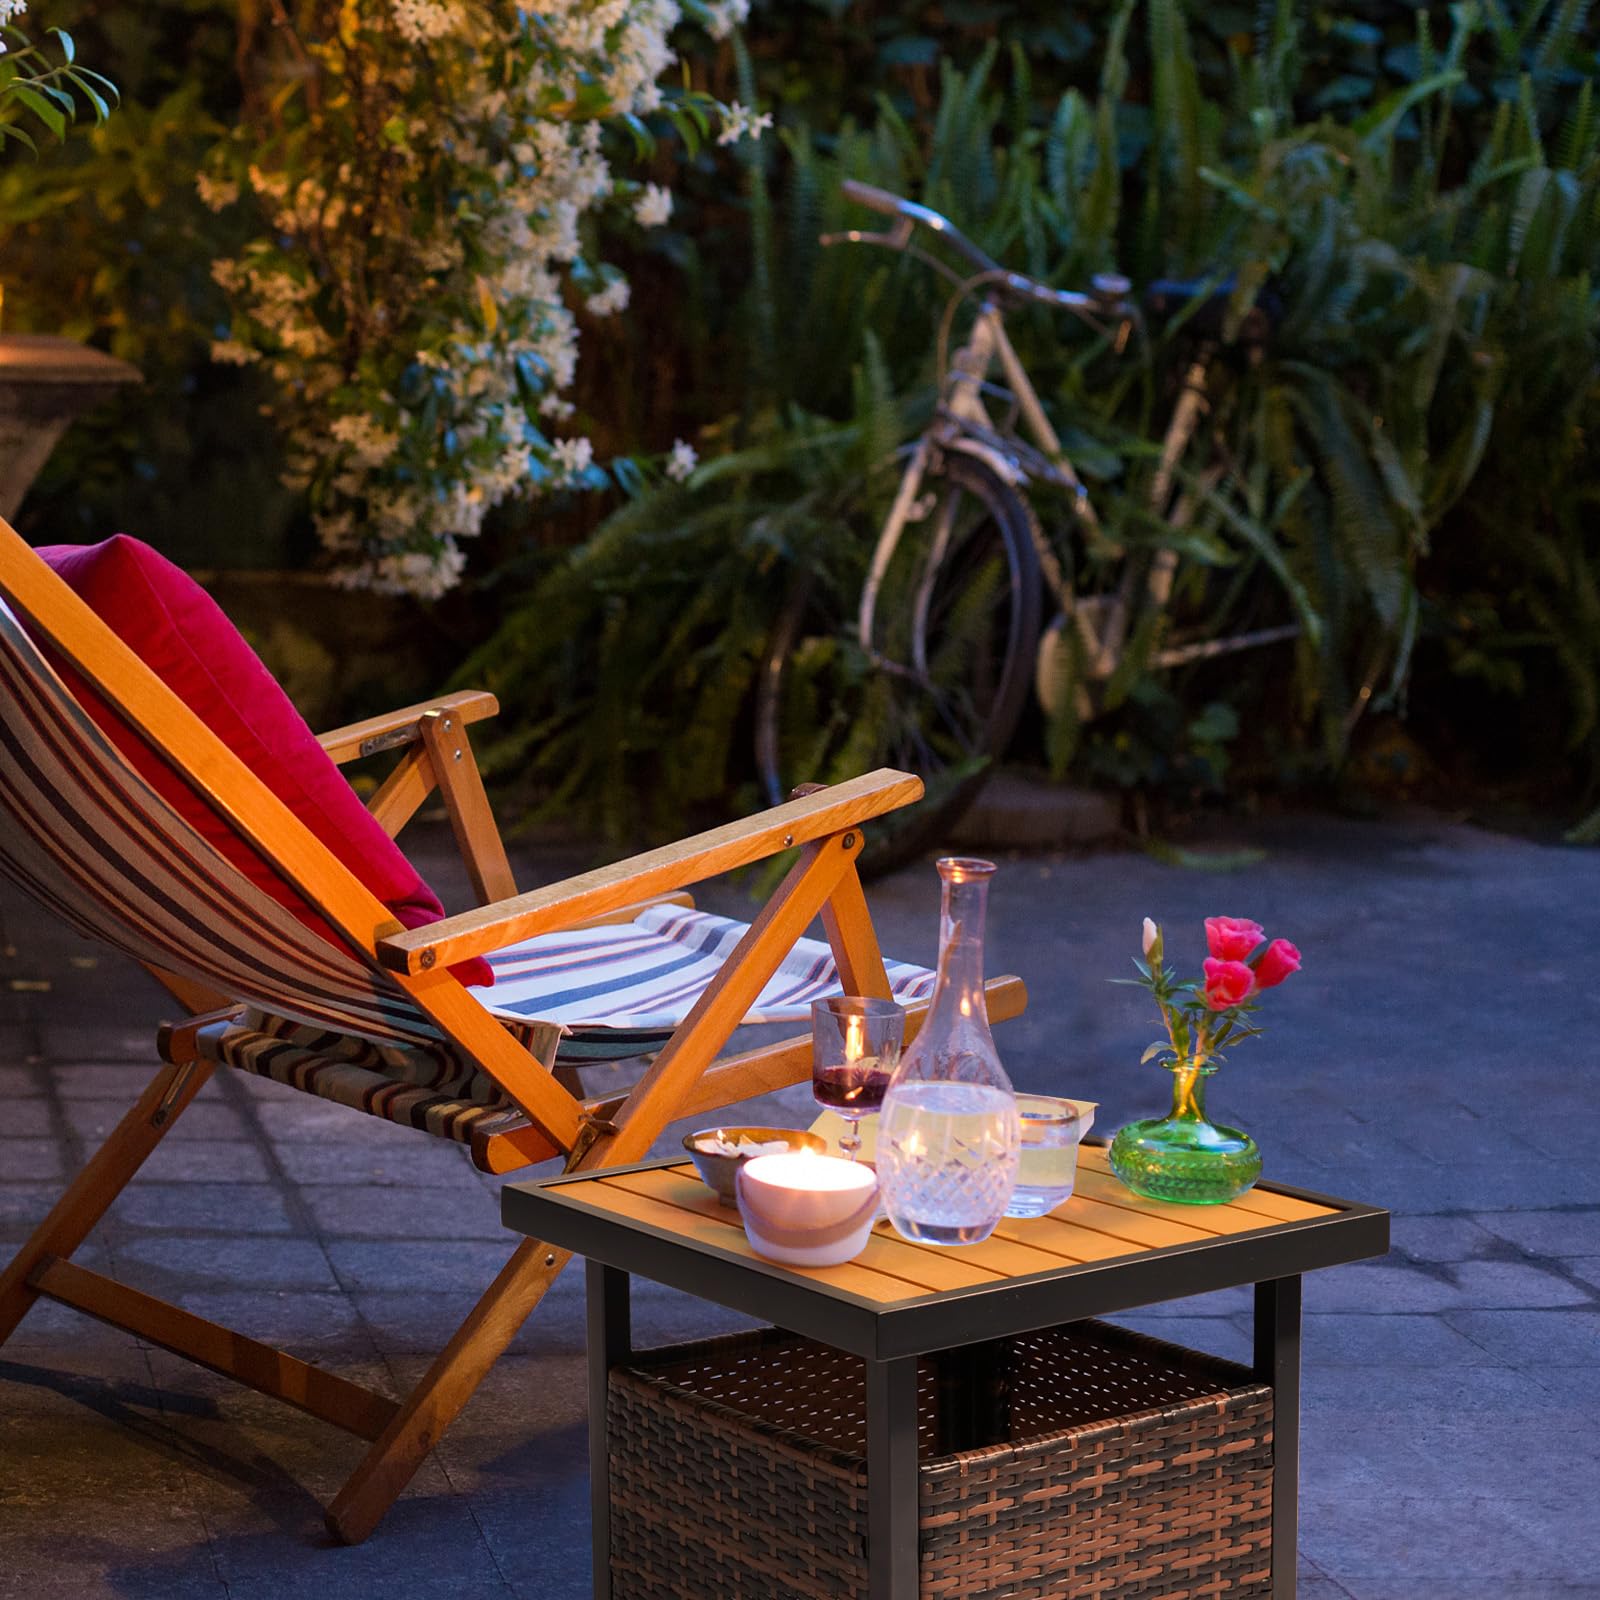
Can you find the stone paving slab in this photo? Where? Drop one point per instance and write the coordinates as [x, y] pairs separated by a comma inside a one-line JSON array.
[[1434, 1056]]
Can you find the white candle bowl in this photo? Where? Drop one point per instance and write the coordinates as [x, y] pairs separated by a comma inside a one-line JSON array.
[[807, 1210]]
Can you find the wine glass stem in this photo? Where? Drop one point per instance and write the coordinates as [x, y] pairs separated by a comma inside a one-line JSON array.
[[850, 1142]]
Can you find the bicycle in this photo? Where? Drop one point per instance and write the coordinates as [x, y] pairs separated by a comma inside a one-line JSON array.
[[933, 669]]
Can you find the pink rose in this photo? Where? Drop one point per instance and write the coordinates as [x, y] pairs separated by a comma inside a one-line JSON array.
[[1228, 983], [1278, 960], [1232, 938]]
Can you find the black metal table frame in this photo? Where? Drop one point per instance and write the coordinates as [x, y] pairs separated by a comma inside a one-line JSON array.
[[890, 1338]]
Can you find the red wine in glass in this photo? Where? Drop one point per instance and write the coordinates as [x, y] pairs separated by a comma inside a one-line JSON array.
[[855, 1047], [855, 1089]]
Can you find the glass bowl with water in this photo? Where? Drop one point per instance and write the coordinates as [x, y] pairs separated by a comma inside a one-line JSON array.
[[1047, 1167]]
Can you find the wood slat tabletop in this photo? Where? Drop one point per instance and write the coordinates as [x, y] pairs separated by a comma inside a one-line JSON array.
[[1102, 1221]]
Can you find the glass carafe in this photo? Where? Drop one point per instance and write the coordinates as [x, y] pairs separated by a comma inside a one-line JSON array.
[[948, 1135]]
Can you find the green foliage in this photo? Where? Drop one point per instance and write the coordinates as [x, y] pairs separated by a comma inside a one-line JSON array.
[[1412, 470], [1432, 235], [45, 85]]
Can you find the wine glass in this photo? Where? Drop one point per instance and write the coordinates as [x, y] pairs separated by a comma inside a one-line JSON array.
[[855, 1047]]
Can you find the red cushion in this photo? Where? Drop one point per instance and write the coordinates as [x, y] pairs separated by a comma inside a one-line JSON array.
[[181, 633]]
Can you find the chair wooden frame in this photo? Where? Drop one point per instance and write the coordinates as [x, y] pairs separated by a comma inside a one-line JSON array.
[[686, 1077]]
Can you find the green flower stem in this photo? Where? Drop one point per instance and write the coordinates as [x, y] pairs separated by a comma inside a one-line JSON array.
[[1187, 1078]]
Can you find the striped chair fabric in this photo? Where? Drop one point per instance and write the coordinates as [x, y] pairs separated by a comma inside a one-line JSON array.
[[89, 839], [418, 1085]]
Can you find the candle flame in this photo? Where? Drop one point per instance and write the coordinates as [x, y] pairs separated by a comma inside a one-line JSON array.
[[855, 1037]]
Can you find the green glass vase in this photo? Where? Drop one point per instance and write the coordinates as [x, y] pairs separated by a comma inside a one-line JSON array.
[[1182, 1156]]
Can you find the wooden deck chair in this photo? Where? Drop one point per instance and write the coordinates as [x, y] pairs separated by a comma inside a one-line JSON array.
[[383, 1026]]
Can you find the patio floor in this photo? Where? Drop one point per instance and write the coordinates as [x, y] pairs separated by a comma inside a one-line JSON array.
[[1438, 1055]]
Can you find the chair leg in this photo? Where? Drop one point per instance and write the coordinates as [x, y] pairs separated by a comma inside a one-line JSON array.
[[447, 1386], [103, 1178], [460, 1368]]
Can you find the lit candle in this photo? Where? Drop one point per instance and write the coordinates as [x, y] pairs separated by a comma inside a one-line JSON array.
[[807, 1210], [855, 1037]]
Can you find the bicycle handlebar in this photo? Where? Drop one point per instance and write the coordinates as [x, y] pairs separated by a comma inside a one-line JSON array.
[[1108, 294]]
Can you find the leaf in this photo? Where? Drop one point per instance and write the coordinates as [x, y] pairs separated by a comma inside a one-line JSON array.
[[49, 114], [1377, 127], [488, 311], [1585, 832]]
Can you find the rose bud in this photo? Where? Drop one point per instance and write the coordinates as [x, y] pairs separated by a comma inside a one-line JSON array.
[[1228, 983], [1151, 934], [1278, 960], [1232, 938]]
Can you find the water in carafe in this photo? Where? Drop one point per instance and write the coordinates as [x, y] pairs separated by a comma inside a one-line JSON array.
[[948, 1135], [950, 1150]]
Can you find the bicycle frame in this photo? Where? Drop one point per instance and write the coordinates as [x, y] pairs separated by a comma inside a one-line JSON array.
[[962, 424]]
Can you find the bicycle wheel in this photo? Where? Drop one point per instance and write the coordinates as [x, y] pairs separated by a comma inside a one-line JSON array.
[[940, 692]]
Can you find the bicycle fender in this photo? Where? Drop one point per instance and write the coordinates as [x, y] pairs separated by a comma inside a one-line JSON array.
[[997, 461]]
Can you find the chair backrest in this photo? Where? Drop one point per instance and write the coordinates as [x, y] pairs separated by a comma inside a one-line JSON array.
[[83, 833]]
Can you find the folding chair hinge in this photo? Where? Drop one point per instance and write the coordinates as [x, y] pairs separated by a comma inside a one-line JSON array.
[[591, 1129], [175, 1089]]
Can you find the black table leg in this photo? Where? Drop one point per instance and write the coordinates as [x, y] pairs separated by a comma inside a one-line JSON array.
[[892, 1479], [1278, 1363], [610, 1342]]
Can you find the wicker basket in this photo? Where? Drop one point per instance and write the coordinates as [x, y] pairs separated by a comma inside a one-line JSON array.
[[1134, 1470]]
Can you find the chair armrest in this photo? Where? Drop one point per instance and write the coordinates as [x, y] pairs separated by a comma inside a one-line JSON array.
[[673, 866], [403, 727]]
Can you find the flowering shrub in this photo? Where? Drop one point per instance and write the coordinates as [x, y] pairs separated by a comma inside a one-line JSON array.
[[47, 92], [1201, 1017], [427, 171]]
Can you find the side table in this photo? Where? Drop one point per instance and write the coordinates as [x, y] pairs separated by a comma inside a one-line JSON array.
[[1105, 1250]]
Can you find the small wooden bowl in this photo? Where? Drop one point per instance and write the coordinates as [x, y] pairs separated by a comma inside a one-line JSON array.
[[719, 1172]]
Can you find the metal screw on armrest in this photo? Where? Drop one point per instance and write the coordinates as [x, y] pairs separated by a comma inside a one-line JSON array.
[[849, 841], [429, 957], [455, 755], [550, 1260], [788, 839]]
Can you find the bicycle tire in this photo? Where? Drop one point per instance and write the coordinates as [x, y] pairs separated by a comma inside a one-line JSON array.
[[825, 711]]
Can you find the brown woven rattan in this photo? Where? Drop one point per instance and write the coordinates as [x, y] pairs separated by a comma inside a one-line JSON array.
[[1134, 1470]]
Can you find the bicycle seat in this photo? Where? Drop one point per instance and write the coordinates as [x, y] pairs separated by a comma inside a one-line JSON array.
[[1167, 298]]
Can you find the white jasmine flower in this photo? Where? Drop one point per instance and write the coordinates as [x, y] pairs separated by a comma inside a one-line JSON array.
[[9, 10], [269, 185], [611, 299], [572, 456], [230, 353], [215, 193], [725, 16], [740, 122], [682, 461], [653, 207], [418, 21], [480, 289], [370, 445]]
